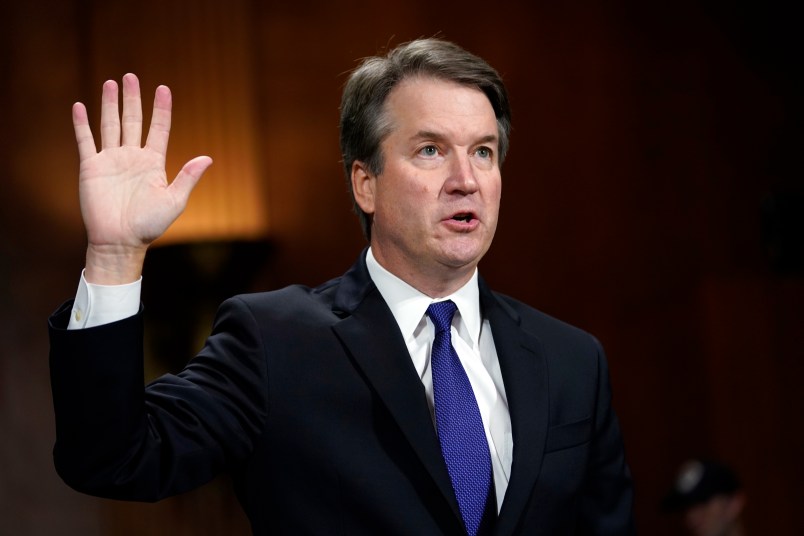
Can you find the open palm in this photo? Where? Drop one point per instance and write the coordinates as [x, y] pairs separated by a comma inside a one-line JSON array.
[[126, 200]]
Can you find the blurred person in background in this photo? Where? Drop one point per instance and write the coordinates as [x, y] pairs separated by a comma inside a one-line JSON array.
[[709, 498]]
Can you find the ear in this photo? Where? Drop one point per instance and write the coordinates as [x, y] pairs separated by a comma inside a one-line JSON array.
[[363, 186]]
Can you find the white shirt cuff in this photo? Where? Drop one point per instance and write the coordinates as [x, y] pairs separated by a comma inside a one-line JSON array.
[[96, 305]]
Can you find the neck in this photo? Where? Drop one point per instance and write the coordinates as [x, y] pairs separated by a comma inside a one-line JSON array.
[[436, 282]]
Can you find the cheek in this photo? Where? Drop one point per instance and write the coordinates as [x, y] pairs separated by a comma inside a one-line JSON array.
[[413, 197], [493, 186], [397, 209], [493, 198], [496, 197]]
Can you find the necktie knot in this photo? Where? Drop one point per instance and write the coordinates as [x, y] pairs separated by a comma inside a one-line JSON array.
[[441, 314]]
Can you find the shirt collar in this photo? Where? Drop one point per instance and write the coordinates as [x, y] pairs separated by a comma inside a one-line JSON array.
[[408, 305]]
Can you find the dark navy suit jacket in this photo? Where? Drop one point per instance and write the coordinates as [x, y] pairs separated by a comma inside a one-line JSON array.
[[309, 398]]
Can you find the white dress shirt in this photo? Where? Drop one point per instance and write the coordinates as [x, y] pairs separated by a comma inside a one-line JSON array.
[[474, 344], [471, 337], [96, 305]]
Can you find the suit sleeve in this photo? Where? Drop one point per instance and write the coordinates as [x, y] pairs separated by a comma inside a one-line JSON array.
[[118, 439], [607, 496]]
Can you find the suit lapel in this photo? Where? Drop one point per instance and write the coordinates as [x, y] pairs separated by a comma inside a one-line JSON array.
[[371, 335], [524, 374]]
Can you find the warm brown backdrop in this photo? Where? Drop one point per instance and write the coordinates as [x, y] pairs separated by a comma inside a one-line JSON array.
[[646, 140]]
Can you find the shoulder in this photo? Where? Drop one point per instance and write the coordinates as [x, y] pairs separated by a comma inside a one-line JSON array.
[[551, 331], [297, 302]]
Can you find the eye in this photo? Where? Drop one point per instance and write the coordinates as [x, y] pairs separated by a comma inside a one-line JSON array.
[[483, 152], [429, 151]]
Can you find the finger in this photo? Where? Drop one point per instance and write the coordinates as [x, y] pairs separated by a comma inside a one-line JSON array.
[[83, 134], [110, 116], [159, 131], [188, 177], [131, 122]]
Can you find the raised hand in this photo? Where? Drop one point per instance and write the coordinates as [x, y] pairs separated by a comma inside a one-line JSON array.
[[126, 199]]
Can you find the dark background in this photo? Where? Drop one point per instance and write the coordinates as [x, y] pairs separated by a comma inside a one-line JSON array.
[[652, 196]]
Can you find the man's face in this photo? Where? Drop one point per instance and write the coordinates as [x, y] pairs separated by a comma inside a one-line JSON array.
[[712, 518], [436, 203]]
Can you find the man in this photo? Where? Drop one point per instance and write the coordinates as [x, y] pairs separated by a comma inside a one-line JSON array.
[[709, 497], [402, 398]]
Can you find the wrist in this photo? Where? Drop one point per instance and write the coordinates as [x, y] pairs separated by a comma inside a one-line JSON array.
[[113, 265]]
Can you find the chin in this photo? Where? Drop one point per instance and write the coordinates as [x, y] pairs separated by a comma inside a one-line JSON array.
[[463, 256]]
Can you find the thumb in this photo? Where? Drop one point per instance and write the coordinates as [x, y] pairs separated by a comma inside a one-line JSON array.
[[188, 177]]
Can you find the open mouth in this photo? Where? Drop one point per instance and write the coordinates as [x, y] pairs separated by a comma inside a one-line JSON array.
[[467, 217]]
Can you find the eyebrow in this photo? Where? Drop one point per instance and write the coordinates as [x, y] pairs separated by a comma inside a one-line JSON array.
[[435, 136]]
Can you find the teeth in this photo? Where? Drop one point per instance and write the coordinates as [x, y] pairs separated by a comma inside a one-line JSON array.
[[463, 217]]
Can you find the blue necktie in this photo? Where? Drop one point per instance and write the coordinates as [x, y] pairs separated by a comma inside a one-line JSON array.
[[458, 421]]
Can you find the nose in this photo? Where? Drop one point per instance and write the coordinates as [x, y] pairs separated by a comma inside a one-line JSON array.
[[462, 177]]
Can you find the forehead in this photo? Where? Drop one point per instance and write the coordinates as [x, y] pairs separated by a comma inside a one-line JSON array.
[[430, 103]]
